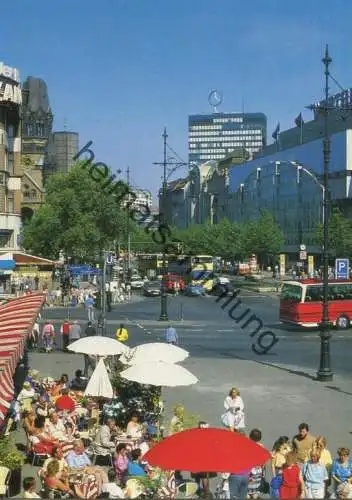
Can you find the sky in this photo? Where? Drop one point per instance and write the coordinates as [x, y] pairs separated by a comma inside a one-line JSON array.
[[118, 71]]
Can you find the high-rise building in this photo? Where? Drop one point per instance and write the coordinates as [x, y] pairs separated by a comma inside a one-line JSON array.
[[10, 158], [214, 136], [37, 121], [143, 199], [63, 146]]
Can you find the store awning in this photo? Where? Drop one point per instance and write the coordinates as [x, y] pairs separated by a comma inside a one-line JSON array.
[[17, 317], [7, 265]]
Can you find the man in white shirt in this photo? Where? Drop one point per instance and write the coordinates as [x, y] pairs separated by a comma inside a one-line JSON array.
[[56, 428], [111, 487]]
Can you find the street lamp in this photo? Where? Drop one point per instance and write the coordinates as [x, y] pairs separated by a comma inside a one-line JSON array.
[[324, 373], [163, 305]]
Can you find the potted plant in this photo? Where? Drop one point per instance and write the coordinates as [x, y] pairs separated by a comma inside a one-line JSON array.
[[14, 460]]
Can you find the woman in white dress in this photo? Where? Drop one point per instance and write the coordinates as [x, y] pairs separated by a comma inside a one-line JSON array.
[[233, 418]]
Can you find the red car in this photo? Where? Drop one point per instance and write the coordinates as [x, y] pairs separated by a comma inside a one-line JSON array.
[[171, 280]]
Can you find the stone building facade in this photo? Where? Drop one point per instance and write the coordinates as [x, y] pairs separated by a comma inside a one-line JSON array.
[[10, 157], [37, 121]]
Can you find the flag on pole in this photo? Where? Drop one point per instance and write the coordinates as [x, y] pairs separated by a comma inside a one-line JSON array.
[[299, 123], [276, 133]]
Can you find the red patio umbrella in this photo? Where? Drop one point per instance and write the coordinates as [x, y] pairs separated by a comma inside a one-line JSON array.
[[207, 450]]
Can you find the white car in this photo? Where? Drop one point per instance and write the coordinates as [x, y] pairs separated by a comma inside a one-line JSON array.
[[222, 281], [137, 282]]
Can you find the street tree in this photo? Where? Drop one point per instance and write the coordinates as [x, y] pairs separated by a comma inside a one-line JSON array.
[[340, 235], [263, 237], [78, 217]]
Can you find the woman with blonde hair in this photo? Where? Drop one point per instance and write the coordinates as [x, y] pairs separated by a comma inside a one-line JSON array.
[[319, 446], [233, 418], [292, 481]]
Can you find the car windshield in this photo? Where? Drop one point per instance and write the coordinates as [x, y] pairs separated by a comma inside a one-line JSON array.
[[292, 293]]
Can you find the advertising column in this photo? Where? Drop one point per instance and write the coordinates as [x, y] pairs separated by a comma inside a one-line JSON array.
[[311, 266], [282, 265]]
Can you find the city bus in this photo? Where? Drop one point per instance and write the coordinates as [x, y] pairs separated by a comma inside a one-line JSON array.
[[196, 269], [150, 265], [301, 303]]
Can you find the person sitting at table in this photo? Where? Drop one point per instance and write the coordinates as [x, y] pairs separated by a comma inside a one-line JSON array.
[[148, 442], [26, 396], [65, 402], [53, 482], [41, 442], [56, 428], [61, 384], [135, 467], [28, 419], [77, 459], [59, 457], [104, 441], [134, 428], [111, 487], [121, 462], [29, 488], [43, 407], [79, 383]]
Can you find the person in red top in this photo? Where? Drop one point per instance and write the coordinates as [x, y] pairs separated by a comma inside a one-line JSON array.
[[292, 481], [65, 402], [65, 332]]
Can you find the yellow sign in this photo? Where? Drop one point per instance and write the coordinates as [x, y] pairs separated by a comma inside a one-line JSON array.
[[282, 264], [310, 265]]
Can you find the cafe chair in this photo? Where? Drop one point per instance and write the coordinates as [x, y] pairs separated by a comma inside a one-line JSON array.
[[5, 475], [105, 459]]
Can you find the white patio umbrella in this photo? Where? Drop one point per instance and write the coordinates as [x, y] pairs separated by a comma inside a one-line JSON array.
[[99, 384], [98, 346], [155, 351], [160, 374]]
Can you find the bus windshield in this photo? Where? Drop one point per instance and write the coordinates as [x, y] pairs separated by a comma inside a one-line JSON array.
[[202, 275], [291, 292]]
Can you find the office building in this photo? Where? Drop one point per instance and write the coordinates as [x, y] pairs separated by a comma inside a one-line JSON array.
[[10, 158], [214, 136], [63, 146], [37, 121]]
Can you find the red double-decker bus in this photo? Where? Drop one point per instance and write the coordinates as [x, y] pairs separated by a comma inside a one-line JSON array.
[[301, 303]]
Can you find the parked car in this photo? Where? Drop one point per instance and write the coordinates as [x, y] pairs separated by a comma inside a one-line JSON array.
[[152, 288], [195, 291], [223, 289], [137, 282]]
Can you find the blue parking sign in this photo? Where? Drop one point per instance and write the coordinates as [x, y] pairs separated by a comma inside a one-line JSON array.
[[342, 269]]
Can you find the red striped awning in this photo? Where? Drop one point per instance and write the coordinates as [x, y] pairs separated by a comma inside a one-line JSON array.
[[17, 318]]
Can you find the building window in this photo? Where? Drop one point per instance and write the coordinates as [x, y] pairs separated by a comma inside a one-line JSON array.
[[10, 131], [10, 162], [26, 192], [40, 130], [29, 129]]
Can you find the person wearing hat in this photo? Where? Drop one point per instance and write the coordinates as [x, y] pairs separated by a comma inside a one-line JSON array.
[[25, 397]]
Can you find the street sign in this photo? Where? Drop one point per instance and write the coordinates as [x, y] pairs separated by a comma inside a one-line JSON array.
[[342, 269], [303, 255], [302, 248], [110, 259]]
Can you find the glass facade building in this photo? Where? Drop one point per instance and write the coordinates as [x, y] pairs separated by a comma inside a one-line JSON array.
[[214, 136], [288, 184]]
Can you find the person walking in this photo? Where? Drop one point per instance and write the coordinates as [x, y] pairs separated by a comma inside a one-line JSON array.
[[48, 336], [171, 336], [122, 333], [89, 303], [65, 332], [75, 332]]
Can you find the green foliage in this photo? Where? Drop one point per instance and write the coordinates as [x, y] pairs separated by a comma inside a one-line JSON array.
[[78, 217], [186, 420], [10, 457], [142, 240], [340, 235], [263, 237]]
